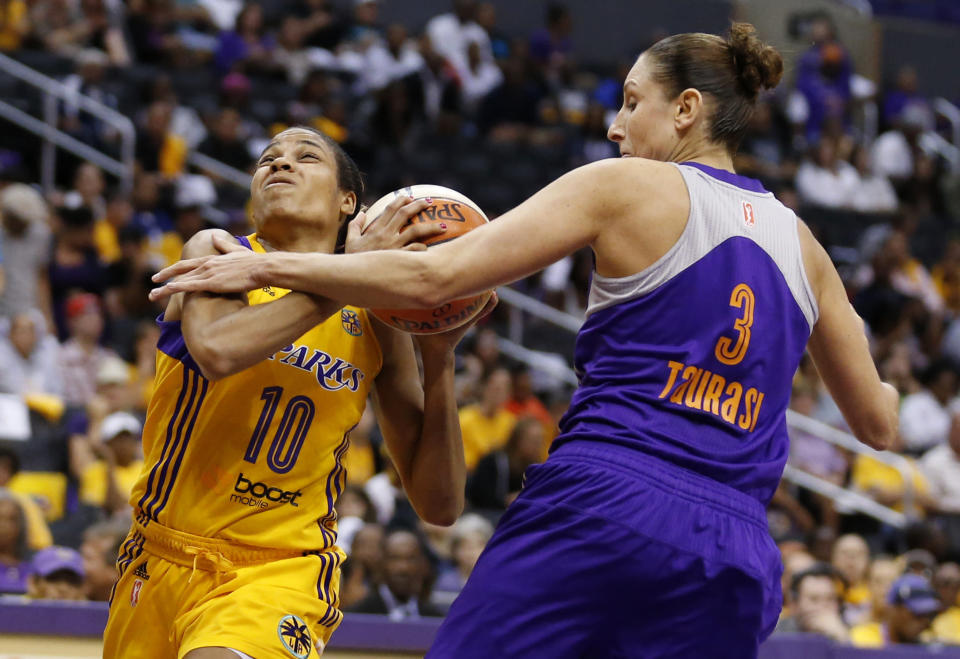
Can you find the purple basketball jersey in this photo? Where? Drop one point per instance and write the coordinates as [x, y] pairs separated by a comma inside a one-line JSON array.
[[691, 360]]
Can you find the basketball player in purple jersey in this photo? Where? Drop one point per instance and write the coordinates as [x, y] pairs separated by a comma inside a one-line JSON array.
[[644, 533]]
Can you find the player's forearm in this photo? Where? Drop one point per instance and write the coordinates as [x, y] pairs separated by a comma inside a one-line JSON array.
[[389, 278], [437, 472], [242, 338]]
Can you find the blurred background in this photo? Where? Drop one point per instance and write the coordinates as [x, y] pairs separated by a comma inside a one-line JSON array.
[[127, 126]]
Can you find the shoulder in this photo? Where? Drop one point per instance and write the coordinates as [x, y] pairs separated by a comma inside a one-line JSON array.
[[201, 243]]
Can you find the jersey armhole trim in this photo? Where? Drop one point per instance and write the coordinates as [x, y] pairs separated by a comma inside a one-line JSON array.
[[807, 288]]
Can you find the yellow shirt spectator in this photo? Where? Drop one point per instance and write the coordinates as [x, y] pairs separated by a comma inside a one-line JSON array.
[[106, 241], [946, 626], [93, 482], [482, 433], [872, 475], [868, 635], [14, 24], [47, 489], [38, 533]]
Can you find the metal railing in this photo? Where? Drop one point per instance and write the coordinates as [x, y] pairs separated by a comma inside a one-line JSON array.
[[844, 440], [53, 91], [220, 170], [951, 113]]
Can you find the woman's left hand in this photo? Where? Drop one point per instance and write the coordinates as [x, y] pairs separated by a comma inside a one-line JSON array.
[[236, 270]]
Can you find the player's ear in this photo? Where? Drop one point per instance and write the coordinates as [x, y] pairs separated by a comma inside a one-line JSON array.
[[688, 108], [348, 203]]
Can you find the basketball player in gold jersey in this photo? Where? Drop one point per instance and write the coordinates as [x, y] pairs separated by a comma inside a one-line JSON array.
[[232, 551]]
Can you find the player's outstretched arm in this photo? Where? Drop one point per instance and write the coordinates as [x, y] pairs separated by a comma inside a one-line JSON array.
[[225, 335], [840, 351], [563, 217]]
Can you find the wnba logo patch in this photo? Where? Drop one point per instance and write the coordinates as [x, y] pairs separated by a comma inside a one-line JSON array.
[[351, 322], [749, 218], [295, 636], [135, 592]]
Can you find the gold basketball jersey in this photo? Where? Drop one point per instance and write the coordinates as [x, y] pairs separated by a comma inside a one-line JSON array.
[[257, 457]]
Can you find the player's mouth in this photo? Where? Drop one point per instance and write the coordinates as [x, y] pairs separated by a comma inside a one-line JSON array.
[[276, 180]]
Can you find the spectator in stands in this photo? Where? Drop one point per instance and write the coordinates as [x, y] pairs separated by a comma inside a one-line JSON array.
[[75, 264], [885, 483], [551, 46], [56, 573], [884, 570], [904, 93], [404, 593], [364, 30], [498, 476], [895, 153], [809, 452], [913, 604], [14, 24], [66, 33], [226, 141], [25, 235], [593, 144], [108, 481], [117, 216], [765, 150], [851, 558], [824, 74], [38, 534], [452, 33], [158, 150], [872, 193], [925, 416], [478, 77], [30, 357], [440, 82], [510, 110], [486, 17], [82, 356], [360, 460], [469, 536], [248, 47], [795, 558], [88, 190], [291, 56], [946, 626], [89, 79], [486, 425], [14, 559], [354, 511], [524, 402], [941, 466], [824, 179], [322, 25], [815, 594], [946, 276], [100, 548], [393, 60], [363, 565]]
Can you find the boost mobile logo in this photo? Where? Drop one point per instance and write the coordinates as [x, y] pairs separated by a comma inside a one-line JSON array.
[[248, 493]]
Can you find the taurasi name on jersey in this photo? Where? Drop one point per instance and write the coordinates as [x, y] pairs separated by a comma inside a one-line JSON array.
[[700, 389], [332, 373]]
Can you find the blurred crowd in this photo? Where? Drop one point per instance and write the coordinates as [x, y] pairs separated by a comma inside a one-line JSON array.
[[456, 101]]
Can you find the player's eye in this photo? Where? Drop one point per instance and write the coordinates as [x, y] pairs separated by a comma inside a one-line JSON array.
[[309, 155], [266, 160]]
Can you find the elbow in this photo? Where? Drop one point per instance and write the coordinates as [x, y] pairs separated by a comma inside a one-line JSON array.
[[214, 362], [881, 435], [443, 513]]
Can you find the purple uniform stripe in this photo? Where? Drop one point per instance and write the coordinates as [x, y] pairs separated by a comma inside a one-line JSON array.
[[165, 467], [166, 443], [243, 240], [183, 447]]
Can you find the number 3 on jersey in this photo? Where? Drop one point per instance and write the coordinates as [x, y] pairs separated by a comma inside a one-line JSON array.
[[732, 351]]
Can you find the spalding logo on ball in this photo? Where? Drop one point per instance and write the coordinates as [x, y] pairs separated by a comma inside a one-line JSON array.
[[460, 215]]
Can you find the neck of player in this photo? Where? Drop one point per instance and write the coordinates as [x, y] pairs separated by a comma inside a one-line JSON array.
[[295, 237]]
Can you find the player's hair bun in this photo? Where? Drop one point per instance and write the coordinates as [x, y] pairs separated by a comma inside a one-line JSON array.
[[759, 66]]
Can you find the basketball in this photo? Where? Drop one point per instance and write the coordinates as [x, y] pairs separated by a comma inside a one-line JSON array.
[[460, 215]]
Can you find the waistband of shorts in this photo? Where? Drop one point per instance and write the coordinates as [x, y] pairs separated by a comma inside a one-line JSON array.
[[670, 478], [184, 548]]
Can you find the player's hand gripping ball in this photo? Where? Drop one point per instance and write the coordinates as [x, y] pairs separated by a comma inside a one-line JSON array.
[[460, 215]]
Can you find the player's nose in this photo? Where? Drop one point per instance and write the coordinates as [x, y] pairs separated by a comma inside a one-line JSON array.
[[615, 132]]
